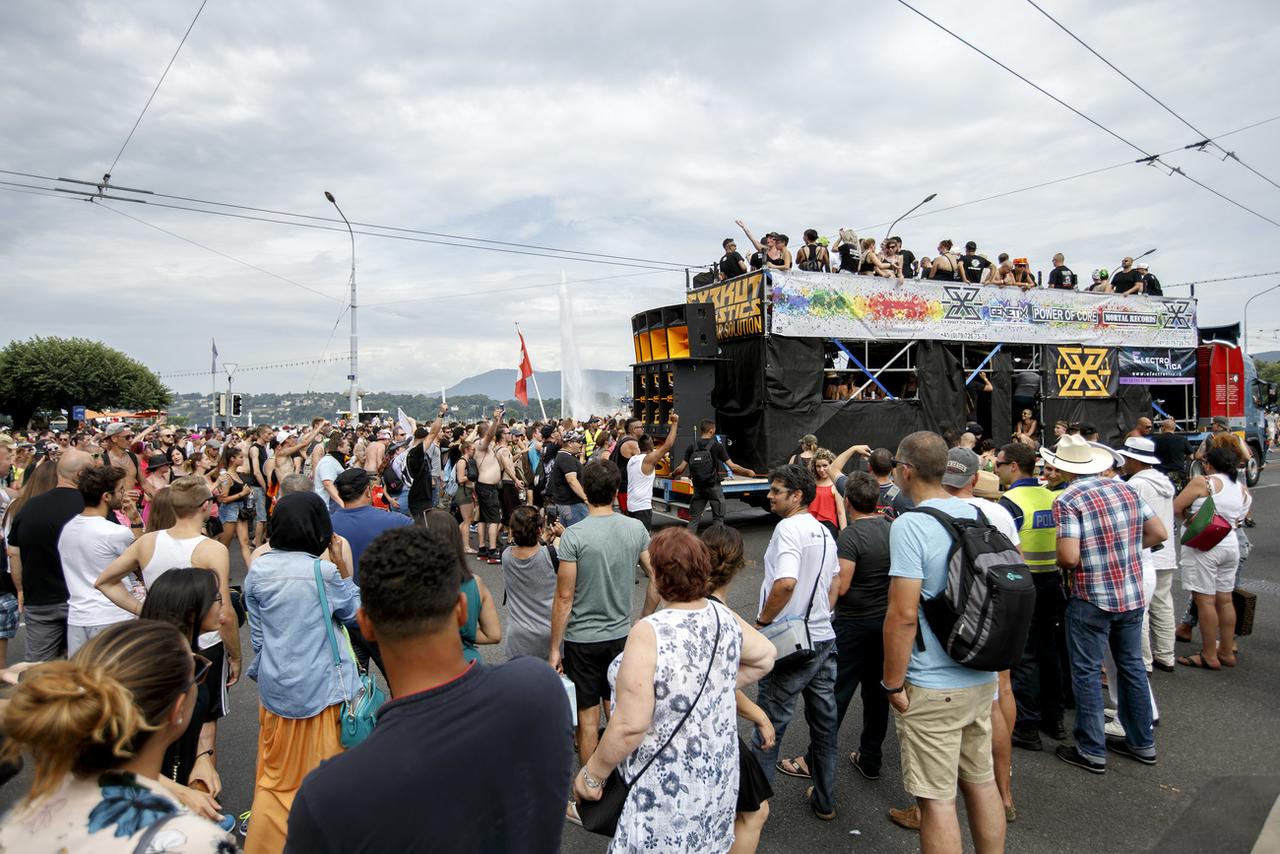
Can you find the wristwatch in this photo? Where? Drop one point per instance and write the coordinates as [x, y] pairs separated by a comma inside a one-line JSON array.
[[592, 782], [889, 690]]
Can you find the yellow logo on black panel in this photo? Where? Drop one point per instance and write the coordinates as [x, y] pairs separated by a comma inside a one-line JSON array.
[[1084, 372]]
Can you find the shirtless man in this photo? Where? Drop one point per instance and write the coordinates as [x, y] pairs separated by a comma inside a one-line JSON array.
[[115, 443], [375, 451], [487, 490], [628, 446], [512, 483], [319, 449]]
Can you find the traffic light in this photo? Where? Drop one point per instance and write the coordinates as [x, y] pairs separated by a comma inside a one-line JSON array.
[[235, 406], [222, 404]]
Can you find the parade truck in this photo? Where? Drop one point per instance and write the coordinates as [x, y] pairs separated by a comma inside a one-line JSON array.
[[1227, 385], [773, 356]]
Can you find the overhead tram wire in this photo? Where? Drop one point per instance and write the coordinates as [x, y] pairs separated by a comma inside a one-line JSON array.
[[219, 253], [269, 366], [316, 218], [405, 237], [1223, 279], [1147, 158], [481, 293], [1050, 183], [1206, 139], [107, 177]]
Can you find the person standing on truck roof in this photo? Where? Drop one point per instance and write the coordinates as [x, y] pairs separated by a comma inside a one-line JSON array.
[[1126, 280], [907, 258], [1061, 277], [731, 263], [705, 460], [641, 470], [973, 265], [773, 251], [813, 257]]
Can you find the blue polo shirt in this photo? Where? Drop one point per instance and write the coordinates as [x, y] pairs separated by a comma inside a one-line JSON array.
[[361, 526]]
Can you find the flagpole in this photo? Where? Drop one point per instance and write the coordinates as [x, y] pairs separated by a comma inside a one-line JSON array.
[[533, 375], [213, 385]]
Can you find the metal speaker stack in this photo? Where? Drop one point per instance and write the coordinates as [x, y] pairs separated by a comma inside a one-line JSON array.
[[675, 370]]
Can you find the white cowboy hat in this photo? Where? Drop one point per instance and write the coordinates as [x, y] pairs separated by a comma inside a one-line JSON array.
[[1076, 455], [1141, 449]]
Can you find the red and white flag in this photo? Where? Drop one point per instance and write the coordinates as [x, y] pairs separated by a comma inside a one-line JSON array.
[[523, 372]]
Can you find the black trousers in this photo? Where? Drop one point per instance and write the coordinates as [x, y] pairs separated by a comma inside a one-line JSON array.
[[1037, 678], [860, 662]]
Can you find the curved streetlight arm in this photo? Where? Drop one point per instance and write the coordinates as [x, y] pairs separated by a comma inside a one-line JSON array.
[[354, 394], [1244, 320], [926, 201]]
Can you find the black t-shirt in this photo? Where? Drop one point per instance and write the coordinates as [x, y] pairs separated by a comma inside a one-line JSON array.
[[718, 454], [1172, 449], [731, 265], [35, 531], [757, 259], [865, 542], [561, 492], [974, 266], [893, 501], [908, 263], [620, 461], [1124, 280], [482, 763], [1062, 278]]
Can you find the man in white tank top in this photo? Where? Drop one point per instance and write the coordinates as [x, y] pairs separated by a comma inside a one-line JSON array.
[[182, 545], [640, 474]]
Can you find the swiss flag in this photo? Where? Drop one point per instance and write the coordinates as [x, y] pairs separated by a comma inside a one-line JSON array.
[[523, 372]]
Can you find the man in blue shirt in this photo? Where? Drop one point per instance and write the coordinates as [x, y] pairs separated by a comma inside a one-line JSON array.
[[942, 709], [361, 523]]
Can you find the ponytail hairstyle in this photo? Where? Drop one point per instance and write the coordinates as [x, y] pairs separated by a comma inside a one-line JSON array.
[[92, 713]]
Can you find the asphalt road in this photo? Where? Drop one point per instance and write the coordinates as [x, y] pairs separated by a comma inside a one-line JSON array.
[[1213, 725]]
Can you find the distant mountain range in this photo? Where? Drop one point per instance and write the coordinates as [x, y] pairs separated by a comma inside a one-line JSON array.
[[500, 384], [1269, 356]]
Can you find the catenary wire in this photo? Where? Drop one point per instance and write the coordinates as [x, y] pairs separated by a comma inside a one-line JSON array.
[[1147, 156], [219, 252], [155, 90], [1170, 110]]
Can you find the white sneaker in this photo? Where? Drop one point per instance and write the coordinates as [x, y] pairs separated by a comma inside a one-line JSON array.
[[1114, 727]]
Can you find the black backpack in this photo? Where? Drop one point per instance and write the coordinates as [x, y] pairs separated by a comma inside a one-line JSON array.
[[473, 471], [702, 465], [984, 612], [1153, 286]]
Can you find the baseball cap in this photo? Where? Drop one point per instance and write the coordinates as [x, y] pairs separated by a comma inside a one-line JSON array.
[[117, 428], [214, 444], [1087, 428], [6, 441], [962, 465], [574, 436], [352, 481], [1141, 265], [1221, 421]]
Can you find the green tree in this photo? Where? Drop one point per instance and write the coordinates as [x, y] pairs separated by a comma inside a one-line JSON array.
[[1269, 371], [58, 373]]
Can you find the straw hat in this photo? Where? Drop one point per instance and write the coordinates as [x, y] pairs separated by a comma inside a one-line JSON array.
[[1076, 455]]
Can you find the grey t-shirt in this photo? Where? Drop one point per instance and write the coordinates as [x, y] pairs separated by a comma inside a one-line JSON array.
[[530, 585], [865, 541], [606, 550]]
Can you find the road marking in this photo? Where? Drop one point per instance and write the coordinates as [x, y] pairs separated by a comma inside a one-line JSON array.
[[1264, 486], [1259, 585]]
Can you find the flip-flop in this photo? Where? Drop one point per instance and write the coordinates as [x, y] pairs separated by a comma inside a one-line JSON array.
[[795, 769], [1225, 663], [1196, 661], [571, 813]]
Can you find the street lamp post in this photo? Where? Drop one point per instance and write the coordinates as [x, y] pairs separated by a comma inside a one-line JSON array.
[[231, 369], [926, 201], [1244, 320], [353, 376]]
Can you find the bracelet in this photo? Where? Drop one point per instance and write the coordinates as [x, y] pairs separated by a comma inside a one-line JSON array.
[[208, 752]]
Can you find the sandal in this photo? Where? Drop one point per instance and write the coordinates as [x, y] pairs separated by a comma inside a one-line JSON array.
[[793, 767], [1223, 661], [825, 816], [571, 813], [1196, 661]]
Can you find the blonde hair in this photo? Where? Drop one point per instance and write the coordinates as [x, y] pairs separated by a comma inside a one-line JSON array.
[[188, 493], [867, 244], [90, 714], [822, 455]]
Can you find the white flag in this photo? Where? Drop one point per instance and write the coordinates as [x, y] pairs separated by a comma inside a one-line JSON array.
[[403, 422]]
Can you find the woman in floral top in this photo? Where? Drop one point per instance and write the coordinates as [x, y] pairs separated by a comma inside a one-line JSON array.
[[97, 728]]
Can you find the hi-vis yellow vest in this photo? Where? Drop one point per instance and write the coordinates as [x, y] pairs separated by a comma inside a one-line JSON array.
[[1038, 533]]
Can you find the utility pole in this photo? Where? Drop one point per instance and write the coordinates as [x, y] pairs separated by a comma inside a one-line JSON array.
[[354, 401], [231, 369]]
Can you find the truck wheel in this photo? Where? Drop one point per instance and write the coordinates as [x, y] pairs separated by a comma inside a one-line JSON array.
[[1253, 470]]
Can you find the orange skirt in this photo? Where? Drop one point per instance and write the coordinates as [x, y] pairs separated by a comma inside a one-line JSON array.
[[288, 750]]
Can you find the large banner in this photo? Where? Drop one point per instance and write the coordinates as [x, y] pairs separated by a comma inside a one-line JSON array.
[[1082, 372], [833, 305], [739, 305], [1154, 366]]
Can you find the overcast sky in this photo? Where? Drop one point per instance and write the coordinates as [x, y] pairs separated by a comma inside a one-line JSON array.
[[640, 130]]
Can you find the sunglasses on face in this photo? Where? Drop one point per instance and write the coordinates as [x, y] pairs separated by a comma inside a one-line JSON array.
[[202, 666], [897, 462]]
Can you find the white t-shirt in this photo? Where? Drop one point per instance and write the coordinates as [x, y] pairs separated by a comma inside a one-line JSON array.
[[998, 517], [87, 545], [796, 551], [639, 484]]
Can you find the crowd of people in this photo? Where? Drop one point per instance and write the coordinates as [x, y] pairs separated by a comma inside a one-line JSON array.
[[848, 253], [361, 544]]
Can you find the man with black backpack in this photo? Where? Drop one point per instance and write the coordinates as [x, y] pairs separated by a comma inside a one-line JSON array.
[[813, 256], [942, 708], [705, 460]]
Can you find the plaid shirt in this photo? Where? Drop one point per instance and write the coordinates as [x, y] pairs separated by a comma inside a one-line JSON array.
[[1106, 516]]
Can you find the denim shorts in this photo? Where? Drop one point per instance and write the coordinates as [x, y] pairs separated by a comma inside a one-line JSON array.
[[229, 512], [259, 504], [8, 615]]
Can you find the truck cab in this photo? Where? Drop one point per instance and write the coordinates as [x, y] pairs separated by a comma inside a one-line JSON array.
[[1228, 386]]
